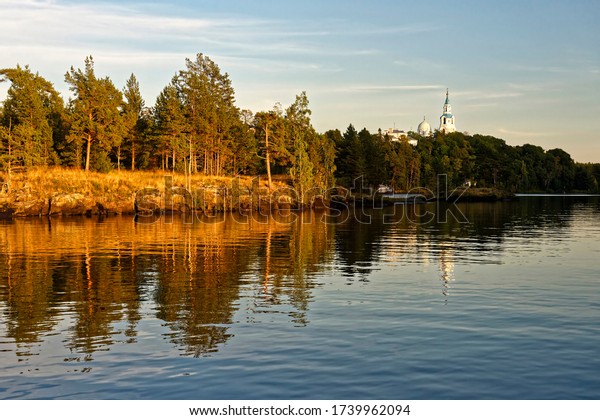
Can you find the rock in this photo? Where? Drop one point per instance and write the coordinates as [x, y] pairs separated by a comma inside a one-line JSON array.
[[30, 208], [6, 211], [67, 204], [148, 201]]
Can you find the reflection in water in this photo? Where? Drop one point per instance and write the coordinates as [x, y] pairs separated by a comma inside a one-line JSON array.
[[446, 270], [94, 276], [73, 288]]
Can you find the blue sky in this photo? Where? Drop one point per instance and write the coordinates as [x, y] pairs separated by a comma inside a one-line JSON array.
[[524, 71]]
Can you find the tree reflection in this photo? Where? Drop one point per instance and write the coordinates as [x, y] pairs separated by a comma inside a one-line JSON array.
[[88, 279], [93, 281]]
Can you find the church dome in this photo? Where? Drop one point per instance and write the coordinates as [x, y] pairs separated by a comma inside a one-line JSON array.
[[424, 127]]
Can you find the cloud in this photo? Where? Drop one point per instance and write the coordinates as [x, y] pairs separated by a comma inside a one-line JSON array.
[[515, 133], [480, 94], [49, 34], [385, 88], [542, 68], [421, 63], [480, 105], [55, 23]]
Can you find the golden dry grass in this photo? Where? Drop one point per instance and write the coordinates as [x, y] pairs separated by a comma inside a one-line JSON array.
[[48, 181]]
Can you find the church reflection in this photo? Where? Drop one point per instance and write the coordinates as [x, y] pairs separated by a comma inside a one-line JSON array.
[[446, 270]]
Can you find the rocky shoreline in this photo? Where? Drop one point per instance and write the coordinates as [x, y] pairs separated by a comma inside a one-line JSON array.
[[59, 192]]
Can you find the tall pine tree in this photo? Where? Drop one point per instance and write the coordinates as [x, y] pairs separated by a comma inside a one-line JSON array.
[[132, 117], [95, 114]]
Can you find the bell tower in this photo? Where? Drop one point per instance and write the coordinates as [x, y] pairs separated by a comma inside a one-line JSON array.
[[447, 119]]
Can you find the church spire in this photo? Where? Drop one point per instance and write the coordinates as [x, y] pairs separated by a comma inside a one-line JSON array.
[[447, 119]]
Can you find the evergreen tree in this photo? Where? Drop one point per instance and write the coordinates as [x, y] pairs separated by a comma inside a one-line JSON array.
[[244, 147], [299, 132], [32, 118], [208, 103], [321, 151], [355, 162], [133, 122], [170, 127], [376, 168], [561, 170], [94, 115], [269, 130]]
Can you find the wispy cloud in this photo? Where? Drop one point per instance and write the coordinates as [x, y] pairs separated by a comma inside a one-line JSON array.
[[421, 63], [37, 31], [481, 94], [385, 88], [516, 133], [49, 23], [541, 68]]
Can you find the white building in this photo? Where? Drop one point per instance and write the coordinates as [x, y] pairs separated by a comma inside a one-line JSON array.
[[447, 119], [396, 135], [399, 135], [424, 129], [447, 125]]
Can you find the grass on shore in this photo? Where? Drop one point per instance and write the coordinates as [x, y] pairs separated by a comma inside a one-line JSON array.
[[113, 187]]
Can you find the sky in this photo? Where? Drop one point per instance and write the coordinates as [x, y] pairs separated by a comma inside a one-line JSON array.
[[524, 71]]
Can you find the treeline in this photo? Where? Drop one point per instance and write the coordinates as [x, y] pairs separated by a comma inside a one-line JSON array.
[[484, 161], [195, 127], [480, 160]]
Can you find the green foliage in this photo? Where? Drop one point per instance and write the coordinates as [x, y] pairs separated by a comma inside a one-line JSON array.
[[484, 160], [169, 126], [244, 149], [194, 126], [584, 179], [299, 133], [351, 160], [270, 134], [31, 118], [132, 119], [95, 112], [208, 105]]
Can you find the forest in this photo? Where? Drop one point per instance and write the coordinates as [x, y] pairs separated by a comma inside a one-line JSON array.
[[194, 126]]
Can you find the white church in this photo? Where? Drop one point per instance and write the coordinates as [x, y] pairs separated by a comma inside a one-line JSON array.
[[447, 125]]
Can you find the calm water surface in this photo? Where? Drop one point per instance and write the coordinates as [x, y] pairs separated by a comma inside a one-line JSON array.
[[506, 306]]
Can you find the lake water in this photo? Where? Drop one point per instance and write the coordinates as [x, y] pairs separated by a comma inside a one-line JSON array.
[[415, 305]]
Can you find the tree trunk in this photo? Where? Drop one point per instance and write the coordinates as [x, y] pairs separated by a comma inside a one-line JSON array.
[[9, 144], [132, 155], [87, 154], [268, 156]]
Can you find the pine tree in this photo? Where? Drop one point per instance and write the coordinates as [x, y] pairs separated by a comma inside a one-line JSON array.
[[32, 116], [132, 117], [355, 163], [269, 128], [170, 126], [208, 103], [95, 114], [299, 132], [244, 146]]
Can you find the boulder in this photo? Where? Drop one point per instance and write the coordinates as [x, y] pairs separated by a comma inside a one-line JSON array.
[[67, 204]]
